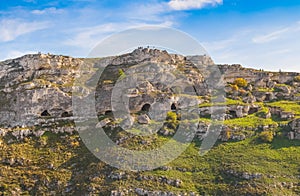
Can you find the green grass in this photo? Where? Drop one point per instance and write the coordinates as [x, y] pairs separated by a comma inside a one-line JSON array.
[[279, 85], [265, 89], [277, 161], [288, 106], [227, 102], [203, 174], [250, 121]]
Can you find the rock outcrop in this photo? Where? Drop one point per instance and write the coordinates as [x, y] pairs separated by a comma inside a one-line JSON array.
[[36, 90], [295, 132]]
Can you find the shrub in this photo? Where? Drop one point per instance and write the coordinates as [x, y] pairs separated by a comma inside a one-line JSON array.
[[234, 87], [266, 136], [227, 135], [171, 116], [75, 144], [121, 73], [263, 113], [297, 79], [240, 82], [172, 120]]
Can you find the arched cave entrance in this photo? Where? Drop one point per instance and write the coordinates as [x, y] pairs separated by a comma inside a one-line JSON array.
[[173, 107], [66, 114], [146, 107], [232, 113], [45, 113], [108, 113]]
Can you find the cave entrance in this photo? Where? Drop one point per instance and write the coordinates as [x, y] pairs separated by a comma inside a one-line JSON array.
[[146, 107], [108, 113], [252, 110], [45, 113], [232, 113], [66, 114], [173, 107]]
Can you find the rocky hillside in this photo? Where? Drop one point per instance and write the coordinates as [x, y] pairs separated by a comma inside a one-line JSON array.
[[41, 152]]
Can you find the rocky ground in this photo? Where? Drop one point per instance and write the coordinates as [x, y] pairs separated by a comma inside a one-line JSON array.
[[257, 152]]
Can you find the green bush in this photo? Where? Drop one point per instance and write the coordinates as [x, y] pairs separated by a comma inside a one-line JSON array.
[[172, 121], [266, 136], [240, 82], [121, 73], [171, 116], [234, 87], [297, 79]]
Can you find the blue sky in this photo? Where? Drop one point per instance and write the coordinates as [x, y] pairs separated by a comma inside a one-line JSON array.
[[255, 33]]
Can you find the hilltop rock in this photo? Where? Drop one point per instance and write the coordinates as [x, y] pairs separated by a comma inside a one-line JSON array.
[[36, 90]]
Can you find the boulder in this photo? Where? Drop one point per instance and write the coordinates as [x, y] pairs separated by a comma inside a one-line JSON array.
[[143, 119], [284, 89], [287, 115], [295, 129]]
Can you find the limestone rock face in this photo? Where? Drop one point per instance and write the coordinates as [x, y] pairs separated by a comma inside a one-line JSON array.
[[295, 126], [259, 78], [151, 78], [143, 119], [36, 87], [284, 89]]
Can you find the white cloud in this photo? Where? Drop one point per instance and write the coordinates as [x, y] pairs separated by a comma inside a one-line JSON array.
[[192, 4], [219, 45], [270, 51], [10, 29], [148, 12], [51, 10], [15, 54], [278, 34], [270, 37], [29, 1], [85, 37], [90, 36]]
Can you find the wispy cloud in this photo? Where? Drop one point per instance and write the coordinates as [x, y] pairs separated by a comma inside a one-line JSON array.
[[219, 45], [85, 37], [148, 12], [270, 37], [51, 10], [192, 4], [10, 29], [278, 34], [90, 36], [29, 1], [158, 11], [16, 53]]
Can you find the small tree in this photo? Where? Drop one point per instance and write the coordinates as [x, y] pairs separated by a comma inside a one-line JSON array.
[[266, 136], [240, 82]]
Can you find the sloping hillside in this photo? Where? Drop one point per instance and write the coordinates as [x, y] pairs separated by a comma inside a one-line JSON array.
[[257, 151]]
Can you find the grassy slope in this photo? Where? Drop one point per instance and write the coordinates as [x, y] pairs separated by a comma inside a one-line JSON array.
[[277, 161]]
